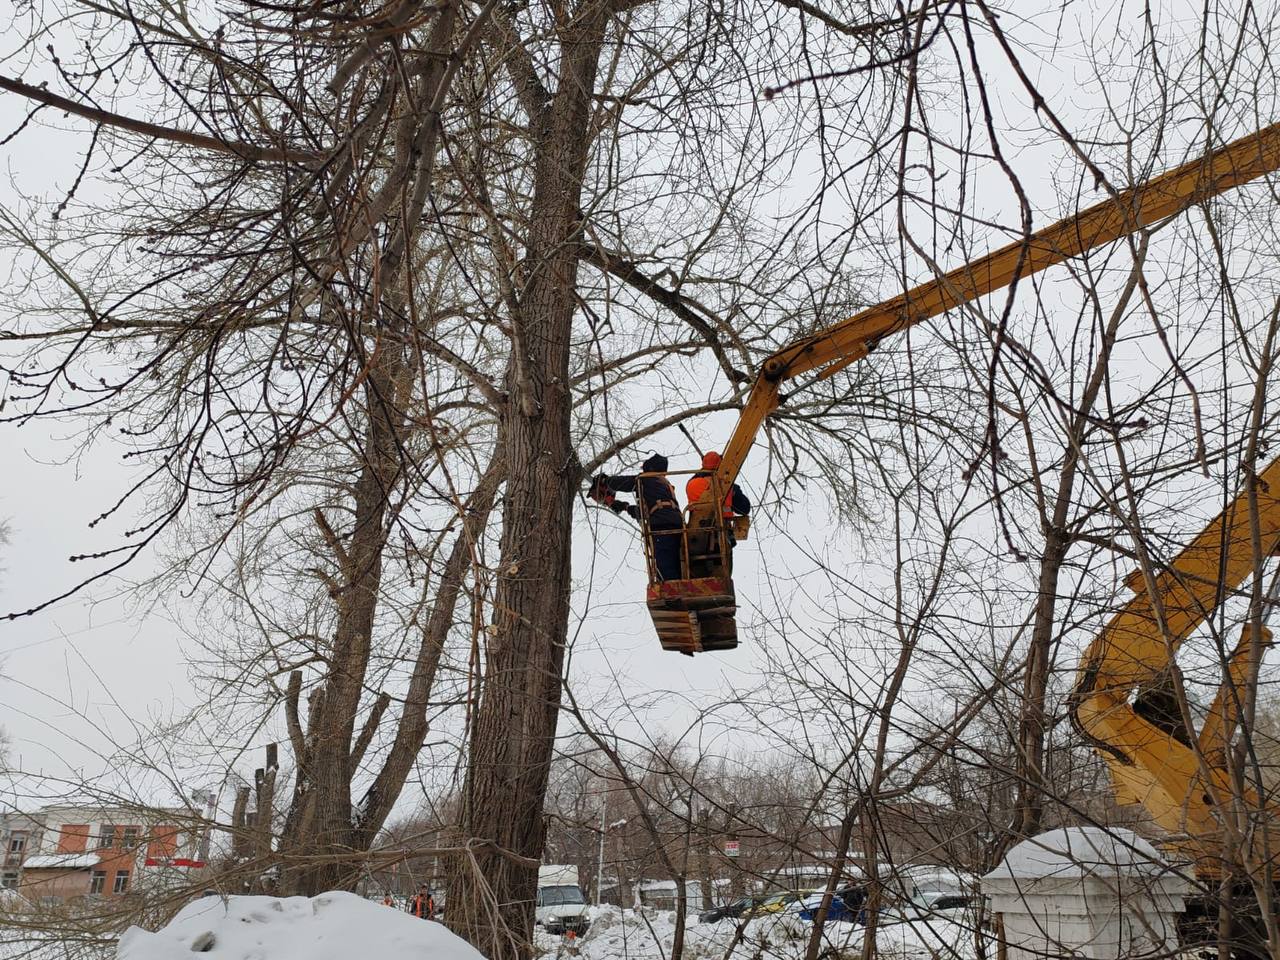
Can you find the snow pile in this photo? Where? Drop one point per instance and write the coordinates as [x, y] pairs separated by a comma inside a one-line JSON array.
[[332, 926], [1081, 851], [646, 935], [918, 936], [649, 935]]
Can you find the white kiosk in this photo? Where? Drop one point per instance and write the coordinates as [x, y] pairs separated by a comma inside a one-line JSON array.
[[1089, 893]]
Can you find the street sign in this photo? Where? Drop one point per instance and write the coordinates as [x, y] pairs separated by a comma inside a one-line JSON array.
[[731, 848]]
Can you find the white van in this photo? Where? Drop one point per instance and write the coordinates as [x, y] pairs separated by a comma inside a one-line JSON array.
[[561, 906]]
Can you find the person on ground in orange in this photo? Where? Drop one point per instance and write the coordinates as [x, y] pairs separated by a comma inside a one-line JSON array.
[[423, 904], [387, 901]]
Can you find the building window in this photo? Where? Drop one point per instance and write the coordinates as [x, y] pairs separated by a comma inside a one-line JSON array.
[[17, 842], [8, 881], [122, 881], [97, 880], [131, 837], [108, 838]]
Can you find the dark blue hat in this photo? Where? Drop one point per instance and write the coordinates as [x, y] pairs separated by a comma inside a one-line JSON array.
[[656, 463]]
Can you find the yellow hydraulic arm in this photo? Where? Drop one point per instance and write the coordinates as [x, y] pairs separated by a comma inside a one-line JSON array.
[[1181, 785], [1155, 760], [848, 341]]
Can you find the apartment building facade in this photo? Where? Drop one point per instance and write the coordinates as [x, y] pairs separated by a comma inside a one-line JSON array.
[[19, 837], [103, 851]]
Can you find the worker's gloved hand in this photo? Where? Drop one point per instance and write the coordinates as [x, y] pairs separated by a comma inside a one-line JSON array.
[[617, 507], [599, 491]]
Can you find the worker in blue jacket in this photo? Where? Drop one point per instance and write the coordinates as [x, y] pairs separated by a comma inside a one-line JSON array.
[[656, 499]]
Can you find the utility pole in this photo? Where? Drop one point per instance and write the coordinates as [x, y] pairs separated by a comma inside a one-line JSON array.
[[704, 858], [600, 855], [732, 844], [208, 800]]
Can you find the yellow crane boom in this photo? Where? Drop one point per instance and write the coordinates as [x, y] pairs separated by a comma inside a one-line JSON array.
[[1181, 778], [848, 341], [696, 611]]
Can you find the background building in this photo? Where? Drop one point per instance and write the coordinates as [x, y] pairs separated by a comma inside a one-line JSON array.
[[81, 851], [19, 836]]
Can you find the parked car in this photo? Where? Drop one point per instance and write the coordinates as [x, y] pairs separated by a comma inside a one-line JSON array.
[[776, 903], [952, 902], [729, 911], [941, 889], [846, 905]]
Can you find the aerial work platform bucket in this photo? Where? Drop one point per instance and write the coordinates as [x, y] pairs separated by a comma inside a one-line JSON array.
[[694, 616], [696, 613]]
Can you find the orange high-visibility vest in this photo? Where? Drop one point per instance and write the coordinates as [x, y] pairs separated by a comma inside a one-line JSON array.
[[694, 490]]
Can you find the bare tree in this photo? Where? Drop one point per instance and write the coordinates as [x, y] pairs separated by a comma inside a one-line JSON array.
[[369, 335]]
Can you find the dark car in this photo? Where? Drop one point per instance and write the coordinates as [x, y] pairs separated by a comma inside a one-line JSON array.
[[847, 906], [730, 910], [854, 897]]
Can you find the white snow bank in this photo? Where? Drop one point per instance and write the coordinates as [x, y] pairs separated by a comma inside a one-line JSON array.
[[332, 926], [61, 861], [1081, 851], [648, 935]]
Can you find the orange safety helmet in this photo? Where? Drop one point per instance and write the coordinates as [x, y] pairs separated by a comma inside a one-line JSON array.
[[697, 485]]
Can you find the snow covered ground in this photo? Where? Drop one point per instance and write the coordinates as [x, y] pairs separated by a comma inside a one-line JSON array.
[[332, 926], [42, 943], [648, 935], [342, 926]]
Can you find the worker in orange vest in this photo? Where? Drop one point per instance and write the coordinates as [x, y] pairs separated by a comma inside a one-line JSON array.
[[423, 904], [735, 501]]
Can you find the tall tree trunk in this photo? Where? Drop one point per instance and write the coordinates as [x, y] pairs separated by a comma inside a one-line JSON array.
[[412, 730], [1033, 722], [491, 897], [320, 822], [323, 826], [305, 832], [704, 858]]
